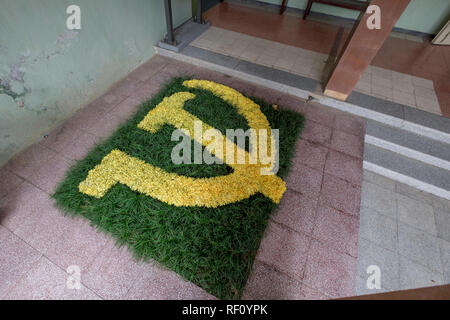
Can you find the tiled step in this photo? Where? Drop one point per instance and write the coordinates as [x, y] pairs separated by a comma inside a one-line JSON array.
[[416, 173], [410, 145]]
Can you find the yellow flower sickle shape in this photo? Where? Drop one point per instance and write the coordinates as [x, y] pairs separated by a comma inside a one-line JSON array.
[[174, 189]]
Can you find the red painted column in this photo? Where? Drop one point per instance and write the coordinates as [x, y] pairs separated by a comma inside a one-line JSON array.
[[362, 48]]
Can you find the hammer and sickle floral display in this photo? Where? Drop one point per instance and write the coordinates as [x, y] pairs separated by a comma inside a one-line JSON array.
[[201, 219], [174, 189]]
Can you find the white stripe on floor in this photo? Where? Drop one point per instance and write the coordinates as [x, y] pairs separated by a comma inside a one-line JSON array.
[[407, 152], [423, 186]]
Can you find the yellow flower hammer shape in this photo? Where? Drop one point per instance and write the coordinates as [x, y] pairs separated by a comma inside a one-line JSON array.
[[177, 190]]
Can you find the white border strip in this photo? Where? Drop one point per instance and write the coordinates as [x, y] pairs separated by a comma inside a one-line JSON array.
[[442, 193], [303, 94], [384, 118], [407, 152]]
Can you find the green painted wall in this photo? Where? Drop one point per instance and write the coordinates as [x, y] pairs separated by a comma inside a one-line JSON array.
[[427, 16], [52, 72]]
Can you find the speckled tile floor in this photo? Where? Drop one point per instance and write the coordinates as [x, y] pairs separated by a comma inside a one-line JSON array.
[[317, 246], [406, 233], [309, 250]]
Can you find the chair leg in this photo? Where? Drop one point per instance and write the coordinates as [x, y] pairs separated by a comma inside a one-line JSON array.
[[307, 9], [283, 6]]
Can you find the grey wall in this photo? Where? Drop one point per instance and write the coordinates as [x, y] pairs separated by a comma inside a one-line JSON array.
[[48, 72], [427, 16]]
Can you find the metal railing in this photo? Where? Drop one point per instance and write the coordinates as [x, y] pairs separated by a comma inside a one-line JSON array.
[[170, 36]]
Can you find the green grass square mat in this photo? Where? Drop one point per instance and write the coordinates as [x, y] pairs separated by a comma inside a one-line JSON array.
[[211, 247]]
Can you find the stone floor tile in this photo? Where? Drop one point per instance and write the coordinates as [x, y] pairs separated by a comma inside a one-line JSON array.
[[296, 211], [243, 87], [442, 224], [113, 272], [266, 283], [106, 126], [289, 102], [323, 115], [414, 275], [145, 92], [16, 259], [126, 87], [46, 281], [79, 244], [64, 240], [417, 214], [441, 204], [86, 118], [381, 181], [315, 132], [445, 257], [338, 230], [350, 124], [8, 182], [370, 254], [414, 193], [344, 166], [380, 199], [21, 202], [186, 68], [50, 174], [155, 283], [28, 162], [79, 148], [61, 137], [269, 95], [108, 101], [150, 68], [284, 249], [329, 271], [126, 108], [310, 293], [146, 70], [309, 154], [205, 74], [305, 180], [347, 143], [419, 247], [166, 74], [378, 228], [341, 195], [180, 69]]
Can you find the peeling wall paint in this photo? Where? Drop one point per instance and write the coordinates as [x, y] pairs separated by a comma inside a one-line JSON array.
[[48, 72]]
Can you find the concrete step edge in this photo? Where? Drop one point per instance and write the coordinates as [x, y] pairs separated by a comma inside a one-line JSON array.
[[410, 181], [303, 94], [408, 152]]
